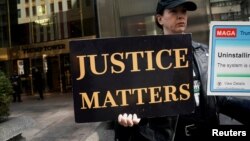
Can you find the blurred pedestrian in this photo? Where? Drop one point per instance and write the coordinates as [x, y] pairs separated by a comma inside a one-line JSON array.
[[16, 85], [38, 82]]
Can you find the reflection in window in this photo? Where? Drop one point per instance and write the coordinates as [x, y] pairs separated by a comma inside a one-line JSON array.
[[56, 25], [138, 25]]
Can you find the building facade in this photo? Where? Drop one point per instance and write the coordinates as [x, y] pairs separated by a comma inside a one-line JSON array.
[[229, 10], [41, 29], [50, 20], [5, 35], [42, 33]]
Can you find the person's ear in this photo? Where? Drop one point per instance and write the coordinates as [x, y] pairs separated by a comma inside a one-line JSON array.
[[159, 19]]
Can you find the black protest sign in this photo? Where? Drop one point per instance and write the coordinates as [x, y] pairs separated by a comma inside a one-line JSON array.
[[148, 75]]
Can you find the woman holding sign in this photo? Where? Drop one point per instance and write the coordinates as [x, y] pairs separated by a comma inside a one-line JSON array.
[[171, 17]]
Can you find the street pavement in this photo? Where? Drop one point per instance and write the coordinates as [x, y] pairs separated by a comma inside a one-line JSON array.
[[54, 117]]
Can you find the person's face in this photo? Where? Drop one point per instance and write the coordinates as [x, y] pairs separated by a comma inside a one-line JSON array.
[[173, 20]]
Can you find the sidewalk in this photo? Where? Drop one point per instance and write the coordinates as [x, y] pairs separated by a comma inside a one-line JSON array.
[[54, 118]]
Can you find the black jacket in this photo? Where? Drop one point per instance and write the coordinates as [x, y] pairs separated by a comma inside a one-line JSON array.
[[173, 128]]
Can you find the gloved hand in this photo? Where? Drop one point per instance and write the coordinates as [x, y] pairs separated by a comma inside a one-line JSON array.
[[128, 120]]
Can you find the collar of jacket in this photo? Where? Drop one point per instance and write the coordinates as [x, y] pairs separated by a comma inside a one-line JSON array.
[[195, 44]]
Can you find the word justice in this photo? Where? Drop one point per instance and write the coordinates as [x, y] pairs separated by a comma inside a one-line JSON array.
[[162, 59]]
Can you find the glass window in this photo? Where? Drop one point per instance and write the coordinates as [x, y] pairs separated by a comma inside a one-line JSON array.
[[19, 13], [88, 2], [224, 17], [138, 25], [69, 4], [228, 10], [60, 6], [52, 10], [27, 11], [55, 26], [41, 10], [78, 3], [41, 29], [74, 28], [48, 32], [34, 10], [41, 33]]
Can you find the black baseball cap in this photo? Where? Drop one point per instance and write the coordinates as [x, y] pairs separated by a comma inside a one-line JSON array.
[[168, 4]]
